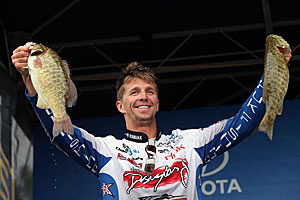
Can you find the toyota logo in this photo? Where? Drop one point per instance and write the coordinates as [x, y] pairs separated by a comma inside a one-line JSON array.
[[218, 169]]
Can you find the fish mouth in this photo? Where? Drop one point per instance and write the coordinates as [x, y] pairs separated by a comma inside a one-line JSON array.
[[284, 49], [36, 52], [35, 49]]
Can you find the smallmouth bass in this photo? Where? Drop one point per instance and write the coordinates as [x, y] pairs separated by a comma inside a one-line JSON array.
[[50, 77], [276, 80]]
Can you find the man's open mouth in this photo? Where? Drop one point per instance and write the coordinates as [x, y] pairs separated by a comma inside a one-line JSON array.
[[143, 107]]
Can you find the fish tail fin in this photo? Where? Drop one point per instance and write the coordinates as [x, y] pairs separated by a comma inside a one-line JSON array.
[[63, 126], [266, 125]]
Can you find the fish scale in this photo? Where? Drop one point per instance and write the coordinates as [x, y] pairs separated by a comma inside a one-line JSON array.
[[276, 79]]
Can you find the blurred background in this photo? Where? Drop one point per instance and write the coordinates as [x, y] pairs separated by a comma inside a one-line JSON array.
[[206, 54]]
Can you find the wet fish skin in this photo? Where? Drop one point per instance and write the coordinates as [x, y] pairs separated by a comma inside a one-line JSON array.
[[276, 80], [52, 82]]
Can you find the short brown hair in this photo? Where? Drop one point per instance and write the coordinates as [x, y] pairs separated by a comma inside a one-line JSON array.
[[134, 70]]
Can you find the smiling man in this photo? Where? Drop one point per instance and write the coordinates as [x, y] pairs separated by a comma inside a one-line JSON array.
[[138, 99], [146, 163]]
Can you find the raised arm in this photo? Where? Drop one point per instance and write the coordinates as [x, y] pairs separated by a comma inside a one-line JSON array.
[[220, 137]]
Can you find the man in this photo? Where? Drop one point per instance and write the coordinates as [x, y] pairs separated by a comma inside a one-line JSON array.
[[168, 166]]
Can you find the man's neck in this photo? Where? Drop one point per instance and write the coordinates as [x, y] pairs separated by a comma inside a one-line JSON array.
[[149, 130]]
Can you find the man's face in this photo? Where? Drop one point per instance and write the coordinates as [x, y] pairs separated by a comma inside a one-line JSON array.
[[139, 103]]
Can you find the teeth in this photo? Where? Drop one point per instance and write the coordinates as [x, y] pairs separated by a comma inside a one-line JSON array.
[[143, 106]]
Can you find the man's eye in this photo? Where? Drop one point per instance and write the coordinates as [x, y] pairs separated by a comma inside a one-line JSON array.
[[133, 92], [150, 92]]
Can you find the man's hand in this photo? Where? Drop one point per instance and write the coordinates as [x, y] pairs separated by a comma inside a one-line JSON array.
[[19, 59], [20, 56]]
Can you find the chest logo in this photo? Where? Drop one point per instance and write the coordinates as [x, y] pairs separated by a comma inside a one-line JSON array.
[[162, 176]]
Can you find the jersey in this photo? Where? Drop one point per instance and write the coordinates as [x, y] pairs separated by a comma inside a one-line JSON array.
[[180, 155]]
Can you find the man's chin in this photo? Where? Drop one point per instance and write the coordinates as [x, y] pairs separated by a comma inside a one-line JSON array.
[[144, 118]]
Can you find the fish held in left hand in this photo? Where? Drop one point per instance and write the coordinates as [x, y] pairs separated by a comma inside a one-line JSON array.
[[51, 79], [276, 80]]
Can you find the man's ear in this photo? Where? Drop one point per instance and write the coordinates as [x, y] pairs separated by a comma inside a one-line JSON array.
[[120, 107]]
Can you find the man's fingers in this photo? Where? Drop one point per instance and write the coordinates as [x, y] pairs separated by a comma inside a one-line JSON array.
[[20, 58], [21, 48], [287, 57], [20, 65], [20, 54], [20, 61]]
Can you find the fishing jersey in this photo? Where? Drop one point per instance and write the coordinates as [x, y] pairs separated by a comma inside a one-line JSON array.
[[180, 155]]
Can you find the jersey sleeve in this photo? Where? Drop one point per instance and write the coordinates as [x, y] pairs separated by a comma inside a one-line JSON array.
[[220, 137], [90, 151]]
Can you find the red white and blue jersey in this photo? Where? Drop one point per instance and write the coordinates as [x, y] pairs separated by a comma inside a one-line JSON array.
[[180, 155]]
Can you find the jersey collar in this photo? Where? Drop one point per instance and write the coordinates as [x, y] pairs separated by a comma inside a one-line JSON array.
[[139, 136]]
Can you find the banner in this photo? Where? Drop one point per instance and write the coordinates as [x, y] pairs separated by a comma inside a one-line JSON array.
[[0, 117], [7, 184], [16, 152], [256, 169], [22, 162]]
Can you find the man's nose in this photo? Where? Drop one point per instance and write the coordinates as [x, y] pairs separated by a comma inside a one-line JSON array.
[[143, 95]]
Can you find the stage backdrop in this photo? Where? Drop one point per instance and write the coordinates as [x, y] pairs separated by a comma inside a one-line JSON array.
[[256, 169]]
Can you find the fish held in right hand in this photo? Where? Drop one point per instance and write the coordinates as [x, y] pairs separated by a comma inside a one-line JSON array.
[[51, 79]]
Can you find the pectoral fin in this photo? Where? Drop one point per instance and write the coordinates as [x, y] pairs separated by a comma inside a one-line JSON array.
[[280, 110]]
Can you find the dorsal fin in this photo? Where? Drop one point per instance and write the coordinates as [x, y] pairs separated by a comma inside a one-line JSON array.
[[66, 66], [72, 92]]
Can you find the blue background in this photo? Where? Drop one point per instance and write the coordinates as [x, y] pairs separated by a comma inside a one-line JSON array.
[[262, 169]]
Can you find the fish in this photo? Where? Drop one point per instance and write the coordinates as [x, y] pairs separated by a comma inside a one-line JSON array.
[[276, 80], [50, 76]]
